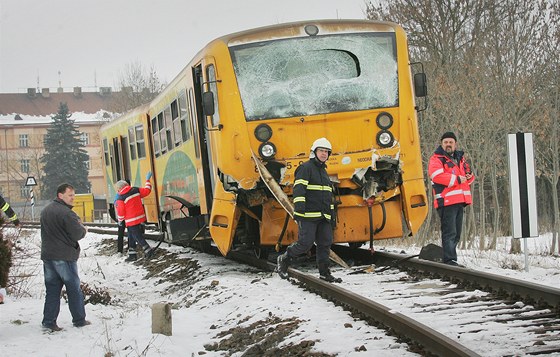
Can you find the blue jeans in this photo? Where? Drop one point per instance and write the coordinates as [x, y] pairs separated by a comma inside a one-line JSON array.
[[59, 273], [309, 232], [451, 225], [136, 235]]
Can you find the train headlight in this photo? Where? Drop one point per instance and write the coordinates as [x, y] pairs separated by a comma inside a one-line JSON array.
[[384, 120], [385, 139], [263, 133], [267, 150], [311, 30]]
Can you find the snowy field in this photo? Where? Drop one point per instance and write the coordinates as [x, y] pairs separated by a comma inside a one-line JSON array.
[[219, 308]]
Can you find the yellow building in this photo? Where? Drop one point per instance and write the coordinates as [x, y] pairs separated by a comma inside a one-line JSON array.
[[24, 120]]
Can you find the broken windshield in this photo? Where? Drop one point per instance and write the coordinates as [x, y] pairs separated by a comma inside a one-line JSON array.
[[316, 75]]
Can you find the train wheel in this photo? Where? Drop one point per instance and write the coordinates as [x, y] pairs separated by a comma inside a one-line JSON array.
[[355, 245], [261, 252]]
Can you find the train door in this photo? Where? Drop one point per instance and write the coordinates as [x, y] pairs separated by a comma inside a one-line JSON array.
[[224, 214], [125, 158], [204, 139], [120, 159], [116, 160]]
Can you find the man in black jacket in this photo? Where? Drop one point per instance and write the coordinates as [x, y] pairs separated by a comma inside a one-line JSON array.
[[61, 229], [313, 201]]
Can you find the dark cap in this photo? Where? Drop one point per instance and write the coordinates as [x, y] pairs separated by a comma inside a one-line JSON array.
[[448, 135]]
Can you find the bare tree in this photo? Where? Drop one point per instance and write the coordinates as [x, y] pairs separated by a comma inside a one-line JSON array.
[[489, 67], [139, 85]]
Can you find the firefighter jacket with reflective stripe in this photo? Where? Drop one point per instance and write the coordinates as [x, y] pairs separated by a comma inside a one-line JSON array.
[[444, 171], [4, 206], [128, 204], [313, 192]]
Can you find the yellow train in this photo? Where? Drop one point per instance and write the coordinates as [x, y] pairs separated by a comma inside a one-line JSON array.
[[263, 96]]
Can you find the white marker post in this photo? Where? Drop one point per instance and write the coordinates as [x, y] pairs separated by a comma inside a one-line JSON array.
[[31, 182], [523, 193]]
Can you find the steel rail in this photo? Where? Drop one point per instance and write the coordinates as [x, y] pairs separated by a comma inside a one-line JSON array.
[[106, 228], [430, 340], [542, 295]]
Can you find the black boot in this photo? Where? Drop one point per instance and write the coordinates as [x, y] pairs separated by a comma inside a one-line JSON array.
[[325, 274], [283, 262]]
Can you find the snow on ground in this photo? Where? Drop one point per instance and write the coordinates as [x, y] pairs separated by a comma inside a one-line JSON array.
[[220, 308]]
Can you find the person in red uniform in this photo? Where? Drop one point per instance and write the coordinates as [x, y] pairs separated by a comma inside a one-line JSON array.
[[129, 208], [451, 179]]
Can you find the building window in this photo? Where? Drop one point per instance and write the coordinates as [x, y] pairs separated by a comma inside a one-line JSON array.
[[24, 163], [84, 137], [23, 140], [24, 191], [88, 164]]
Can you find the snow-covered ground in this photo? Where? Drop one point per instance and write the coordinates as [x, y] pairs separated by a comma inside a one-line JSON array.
[[219, 308]]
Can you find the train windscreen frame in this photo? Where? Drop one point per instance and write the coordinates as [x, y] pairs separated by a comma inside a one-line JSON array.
[[316, 75]]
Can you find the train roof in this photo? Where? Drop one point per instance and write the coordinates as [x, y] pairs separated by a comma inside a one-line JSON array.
[[297, 29]]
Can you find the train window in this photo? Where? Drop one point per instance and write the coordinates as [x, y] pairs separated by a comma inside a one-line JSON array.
[[211, 75], [168, 128], [140, 144], [162, 136], [174, 110], [131, 143], [317, 75], [194, 124], [176, 122], [106, 151], [155, 136], [113, 163], [185, 128], [177, 130]]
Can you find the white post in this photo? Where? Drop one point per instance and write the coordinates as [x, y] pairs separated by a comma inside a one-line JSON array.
[[526, 254], [524, 219], [32, 206]]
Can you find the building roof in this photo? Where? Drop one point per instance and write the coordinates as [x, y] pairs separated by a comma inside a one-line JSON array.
[[46, 103]]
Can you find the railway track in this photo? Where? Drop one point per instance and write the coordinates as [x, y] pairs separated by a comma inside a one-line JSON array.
[[469, 313], [445, 311], [103, 228]]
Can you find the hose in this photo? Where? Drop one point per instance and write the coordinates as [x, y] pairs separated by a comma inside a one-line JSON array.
[[279, 243]]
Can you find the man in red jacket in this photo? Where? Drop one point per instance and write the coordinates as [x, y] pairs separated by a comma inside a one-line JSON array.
[[129, 208], [451, 179]]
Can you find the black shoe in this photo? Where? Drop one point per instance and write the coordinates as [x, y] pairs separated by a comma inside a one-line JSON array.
[[85, 323], [283, 262], [131, 258], [53, 328], [455, 264], [328, 277]]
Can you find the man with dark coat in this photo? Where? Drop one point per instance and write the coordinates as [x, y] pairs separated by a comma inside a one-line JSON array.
[[451, 179], [61, 229], [313, 201]]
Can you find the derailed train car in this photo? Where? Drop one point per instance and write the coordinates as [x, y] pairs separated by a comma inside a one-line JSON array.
[[227, 134]]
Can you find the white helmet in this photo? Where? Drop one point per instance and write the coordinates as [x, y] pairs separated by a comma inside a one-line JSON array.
[[321, 143]]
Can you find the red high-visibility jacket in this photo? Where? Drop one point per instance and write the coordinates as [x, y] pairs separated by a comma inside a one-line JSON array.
[[444, 173], [128, 204]]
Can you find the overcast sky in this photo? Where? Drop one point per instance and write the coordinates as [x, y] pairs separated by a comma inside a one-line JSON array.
[[91, 41]]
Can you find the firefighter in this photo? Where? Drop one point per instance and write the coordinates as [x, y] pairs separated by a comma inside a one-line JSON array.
[[314, 206]]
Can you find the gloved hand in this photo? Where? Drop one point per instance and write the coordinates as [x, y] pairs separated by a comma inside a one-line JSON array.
[[148, 175]]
